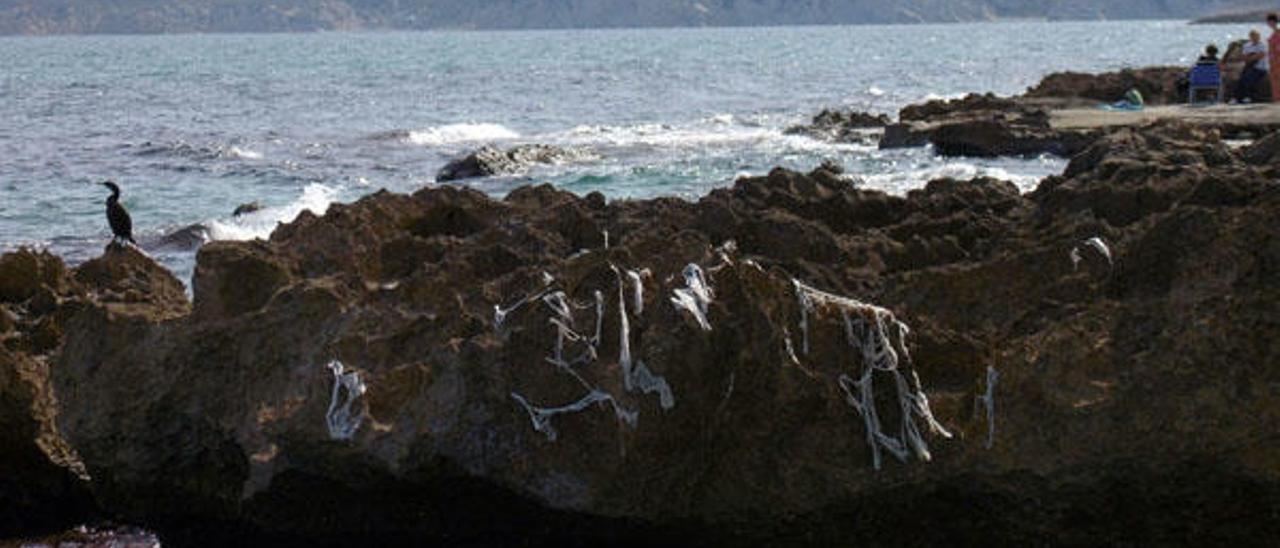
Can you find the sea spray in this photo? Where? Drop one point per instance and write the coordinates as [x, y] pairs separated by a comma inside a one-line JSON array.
[[461, 133], [316, 198]]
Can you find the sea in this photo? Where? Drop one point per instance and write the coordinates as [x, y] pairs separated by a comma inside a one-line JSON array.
[[192, 126]]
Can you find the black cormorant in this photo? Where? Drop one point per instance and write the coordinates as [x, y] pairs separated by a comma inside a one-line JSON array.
[[121, 224]]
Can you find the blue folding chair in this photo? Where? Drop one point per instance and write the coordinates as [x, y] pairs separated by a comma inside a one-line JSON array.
[[1204, 76]]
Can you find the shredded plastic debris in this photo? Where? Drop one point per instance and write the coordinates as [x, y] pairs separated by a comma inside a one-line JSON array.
[[541, 416], [791, 349], [1101, 246], [1098, 245], [500, 314], [880, 339], [342, 423], [725, 253], [695, 296], [563, 320], [637, 284], [636, 376], [988, 401]]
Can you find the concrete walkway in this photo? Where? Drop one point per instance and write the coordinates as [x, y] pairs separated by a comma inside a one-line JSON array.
[[1266, 114]]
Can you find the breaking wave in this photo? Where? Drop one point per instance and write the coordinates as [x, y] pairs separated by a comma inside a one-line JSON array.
[[461, 133], [315, 197]]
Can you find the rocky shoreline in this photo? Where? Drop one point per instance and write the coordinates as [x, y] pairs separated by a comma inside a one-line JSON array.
[[985, 125], [790, 361]]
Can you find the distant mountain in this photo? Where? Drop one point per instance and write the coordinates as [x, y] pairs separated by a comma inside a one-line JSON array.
[[1257, 15], [171, 16]]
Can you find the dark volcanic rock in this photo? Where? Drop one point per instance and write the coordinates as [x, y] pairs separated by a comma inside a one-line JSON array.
[[1136, 388], [841, 127], [1135, 172], [1264, 151], [491, 161], [1158, 85], [186, 238], [967, 106], [1004, 137], [247, 208], [905, 135], [983, 125], [42, 485], [988, 125]]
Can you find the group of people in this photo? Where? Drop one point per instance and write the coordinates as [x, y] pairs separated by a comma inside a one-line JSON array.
[[1258, 58]]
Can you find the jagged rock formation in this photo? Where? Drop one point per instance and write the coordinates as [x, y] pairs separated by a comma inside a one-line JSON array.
[[1158, 85], [1263, 152], [557, 368], [489, 161], [986, 125], [842, 127], [43, 482]]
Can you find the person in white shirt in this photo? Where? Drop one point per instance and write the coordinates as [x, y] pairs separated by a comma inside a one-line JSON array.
[[1255, 68]]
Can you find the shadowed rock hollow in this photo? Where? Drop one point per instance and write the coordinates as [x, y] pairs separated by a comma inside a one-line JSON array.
[[539, 368]]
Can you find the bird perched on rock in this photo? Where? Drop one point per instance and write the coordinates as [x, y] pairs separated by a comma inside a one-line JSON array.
[[117, 217]]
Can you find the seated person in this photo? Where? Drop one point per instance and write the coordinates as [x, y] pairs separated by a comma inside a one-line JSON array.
[[1255, 68], [1209, 57]]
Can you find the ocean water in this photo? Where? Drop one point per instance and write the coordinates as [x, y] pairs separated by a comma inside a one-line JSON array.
[[192, 126]]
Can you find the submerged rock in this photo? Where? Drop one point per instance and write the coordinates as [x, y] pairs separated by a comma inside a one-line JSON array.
[[444, 366], [983, 126], [246, 208], [905, 135], [489, 161], [842, 127], [189, 237]]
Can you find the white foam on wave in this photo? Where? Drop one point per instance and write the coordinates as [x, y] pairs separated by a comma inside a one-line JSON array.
[[900, 181], [724, 131], [315, 197], [721, 119], [942, 97], [712, 132], [809, 145], [461, 133], [244, 153]]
